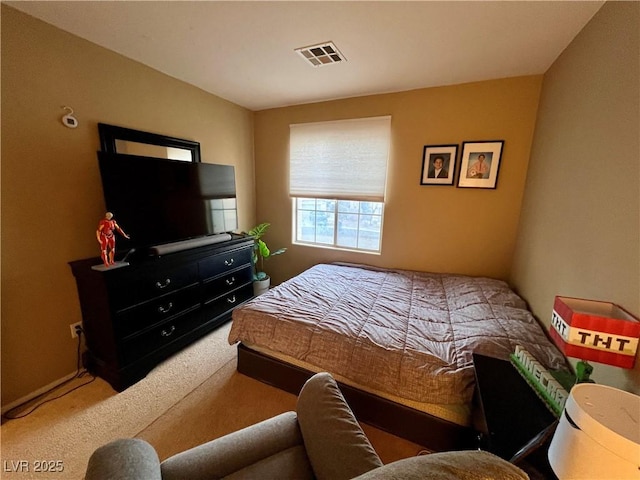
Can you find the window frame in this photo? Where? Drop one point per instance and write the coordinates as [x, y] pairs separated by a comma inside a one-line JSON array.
[[334, 245]]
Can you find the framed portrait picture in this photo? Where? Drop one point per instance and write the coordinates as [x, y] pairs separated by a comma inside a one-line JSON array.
[[479, 164], [438, 164]]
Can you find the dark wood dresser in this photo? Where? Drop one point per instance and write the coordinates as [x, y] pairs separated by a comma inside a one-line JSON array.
[[135, 316]]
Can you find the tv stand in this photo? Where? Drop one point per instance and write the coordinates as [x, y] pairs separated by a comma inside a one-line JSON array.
[[136, 316], [188, 244]]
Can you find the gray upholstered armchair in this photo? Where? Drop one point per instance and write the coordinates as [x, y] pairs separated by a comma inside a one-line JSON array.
[[321, 440]]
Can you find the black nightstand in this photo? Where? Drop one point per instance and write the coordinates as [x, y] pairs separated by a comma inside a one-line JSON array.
[[508, 416]]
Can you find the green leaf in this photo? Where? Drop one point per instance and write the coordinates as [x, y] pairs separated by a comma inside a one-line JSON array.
[[259, 230], [264, 250]]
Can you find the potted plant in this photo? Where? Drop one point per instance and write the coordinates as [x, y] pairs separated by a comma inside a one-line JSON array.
[[261, 252]]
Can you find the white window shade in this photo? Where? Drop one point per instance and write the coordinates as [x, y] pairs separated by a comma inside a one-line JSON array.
[[344, 159]]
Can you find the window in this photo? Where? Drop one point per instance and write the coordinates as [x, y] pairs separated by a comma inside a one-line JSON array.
[[337, 179], [341, 223]]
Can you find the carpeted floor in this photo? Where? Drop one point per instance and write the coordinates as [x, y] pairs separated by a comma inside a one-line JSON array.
[[195, 396], [224, 403], [229, 401]]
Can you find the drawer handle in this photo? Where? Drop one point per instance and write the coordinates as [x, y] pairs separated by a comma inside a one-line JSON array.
[[168, 333], [163, 309], [229, 262], [164, 284], [232, 299], [230, 281]]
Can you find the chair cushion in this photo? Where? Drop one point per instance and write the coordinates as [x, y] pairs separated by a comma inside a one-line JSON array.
[[291, 463], [336, 445], [467, 465]]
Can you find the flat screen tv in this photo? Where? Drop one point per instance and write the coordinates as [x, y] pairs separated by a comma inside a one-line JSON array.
[[157, 201]]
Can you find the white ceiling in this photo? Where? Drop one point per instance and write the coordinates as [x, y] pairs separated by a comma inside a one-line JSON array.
[[243, 51]]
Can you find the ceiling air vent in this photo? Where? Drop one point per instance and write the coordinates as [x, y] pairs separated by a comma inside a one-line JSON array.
[[321, 54]]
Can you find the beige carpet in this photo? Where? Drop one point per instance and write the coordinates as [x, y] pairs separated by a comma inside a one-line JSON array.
[[194, 396], [229, 401]]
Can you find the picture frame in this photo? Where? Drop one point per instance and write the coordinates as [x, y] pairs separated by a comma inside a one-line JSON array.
[[433, 156], [480, 164]]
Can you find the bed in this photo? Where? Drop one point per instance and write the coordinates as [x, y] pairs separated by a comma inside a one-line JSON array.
[[399, 342]]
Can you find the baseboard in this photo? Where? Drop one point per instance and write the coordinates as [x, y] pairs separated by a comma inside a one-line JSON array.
[[36, 393]]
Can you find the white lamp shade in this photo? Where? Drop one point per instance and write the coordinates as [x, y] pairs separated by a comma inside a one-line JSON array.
[[598, 436]]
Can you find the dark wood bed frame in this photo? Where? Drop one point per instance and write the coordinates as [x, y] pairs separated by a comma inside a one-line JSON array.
[[427, 430]]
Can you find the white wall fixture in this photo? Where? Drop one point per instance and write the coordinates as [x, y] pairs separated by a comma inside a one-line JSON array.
[[69, 120]]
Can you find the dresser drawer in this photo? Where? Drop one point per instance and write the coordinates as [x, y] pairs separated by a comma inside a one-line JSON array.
[[224, 262], [134, 286], [131, 320], [226, 302], [217, 286], [138, 346]]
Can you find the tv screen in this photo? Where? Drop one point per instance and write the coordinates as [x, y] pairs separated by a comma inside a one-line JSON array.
[[157, 201]]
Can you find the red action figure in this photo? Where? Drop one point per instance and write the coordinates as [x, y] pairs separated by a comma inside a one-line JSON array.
[[107, 239]]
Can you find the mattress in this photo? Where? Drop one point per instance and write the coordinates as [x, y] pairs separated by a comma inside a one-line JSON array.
[[405, 333]]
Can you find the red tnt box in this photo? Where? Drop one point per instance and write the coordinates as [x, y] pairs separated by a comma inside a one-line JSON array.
[[598, 331]]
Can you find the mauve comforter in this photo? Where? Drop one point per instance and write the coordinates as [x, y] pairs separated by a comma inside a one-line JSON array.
[[407, 333]]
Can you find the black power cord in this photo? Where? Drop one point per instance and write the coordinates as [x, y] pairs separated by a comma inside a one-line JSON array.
[[80, 373]]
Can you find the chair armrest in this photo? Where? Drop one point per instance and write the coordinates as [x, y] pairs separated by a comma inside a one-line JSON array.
[[125, 459], [336, 445], [238, 450]]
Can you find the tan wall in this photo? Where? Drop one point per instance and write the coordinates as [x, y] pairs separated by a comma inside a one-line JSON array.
[[433, 228], [51, 193], [580, 230]]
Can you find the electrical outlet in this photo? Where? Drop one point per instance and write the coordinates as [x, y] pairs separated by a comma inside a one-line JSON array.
[[73, 326]]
